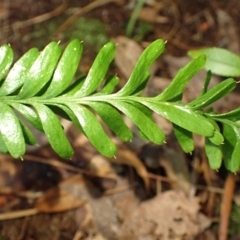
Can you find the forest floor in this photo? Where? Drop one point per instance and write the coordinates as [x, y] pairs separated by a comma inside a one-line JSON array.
[[94, 198]]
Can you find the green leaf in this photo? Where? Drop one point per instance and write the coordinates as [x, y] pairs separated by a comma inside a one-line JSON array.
[[41, 71], [145, 110], [68, 114], [214, 154], [6, 58], [236, 157], [113, 119], [27, 134], [141, 70], [109, 85], [11, 131], [29, 114], [214, 94], [183, 117], [17, 74], [74, 87], [184, 138], [144, 123], [93, 130], [231, 143], [98, 70], [232, 115], [184, 75], [65, 70], [220, 61], [148, 113], [3, 148], [213, 147], [141, 87], [217, 137], [54, 131], [46, 92], [206, 82]]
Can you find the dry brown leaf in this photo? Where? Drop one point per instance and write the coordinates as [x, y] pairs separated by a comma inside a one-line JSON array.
[[69, 194], [170, 215], [156, 85], [172, 159], [126, 156], [102, 167], [73, 193], [151, 15], [127, 55], [8, 175], [175, 165]]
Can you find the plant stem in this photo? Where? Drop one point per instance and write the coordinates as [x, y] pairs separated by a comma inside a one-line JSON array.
[[134, 17]]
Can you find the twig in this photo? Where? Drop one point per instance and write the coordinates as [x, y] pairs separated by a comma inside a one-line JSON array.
[[176, 24], [55, 163], [80, 12], [18, 214], [208, 178], [38, 19], [58, 164], [177, 43], [160, 178], [226, 206], [119, 189], [210, 189]]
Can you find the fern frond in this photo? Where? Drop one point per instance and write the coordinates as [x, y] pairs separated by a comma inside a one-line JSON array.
[[40, 87]]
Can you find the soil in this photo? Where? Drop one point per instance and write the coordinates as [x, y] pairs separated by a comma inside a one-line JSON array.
[[36, 188]]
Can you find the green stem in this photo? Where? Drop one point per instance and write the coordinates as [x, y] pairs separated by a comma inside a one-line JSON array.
[[134, 17]]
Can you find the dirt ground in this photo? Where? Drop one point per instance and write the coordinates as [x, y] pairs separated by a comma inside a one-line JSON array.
[[149, 192]]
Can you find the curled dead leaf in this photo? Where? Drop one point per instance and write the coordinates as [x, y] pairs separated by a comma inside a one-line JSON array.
[[127, 157], [67, 195]]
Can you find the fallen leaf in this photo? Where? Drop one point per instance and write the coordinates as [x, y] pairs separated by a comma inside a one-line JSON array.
[[172, 159], [127, 55], [170, 215], [127, 157], [76, 192], [102, 167], [9, 180], [67, 195]]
